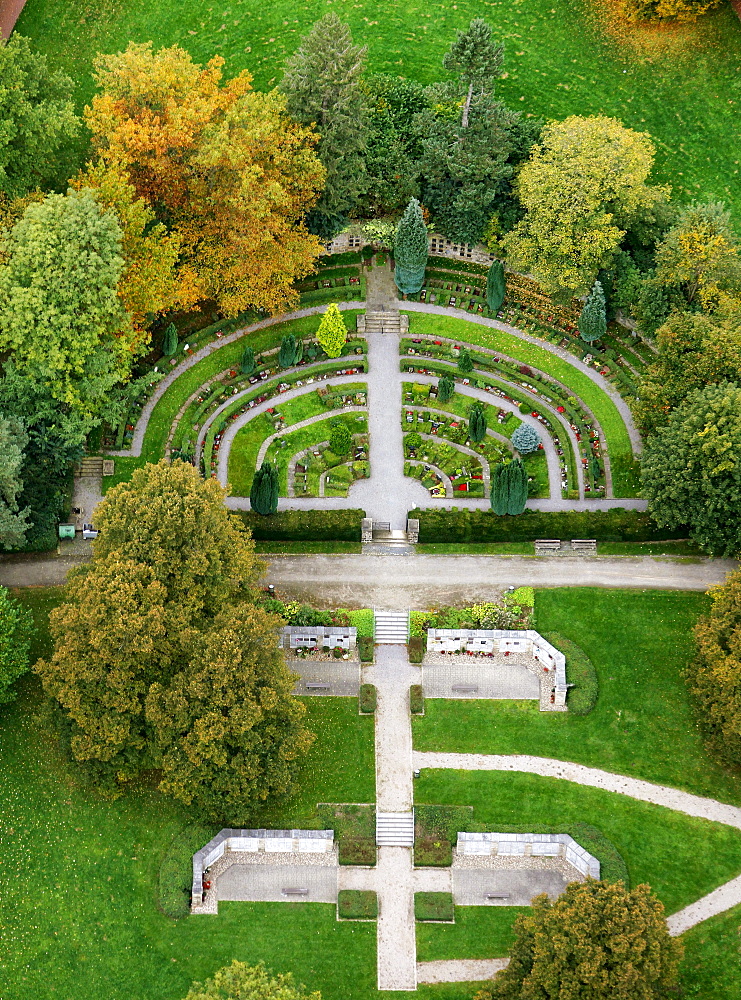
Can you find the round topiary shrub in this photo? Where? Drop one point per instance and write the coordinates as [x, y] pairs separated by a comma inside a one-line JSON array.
[[340, 440], [525, 439]]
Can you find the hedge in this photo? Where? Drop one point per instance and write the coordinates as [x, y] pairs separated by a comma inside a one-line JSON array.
[[616, 525], [416, 700], [417, 645], [357, 904], [305, 525], [434, 906], [580, 672], [365, 648], [176, 870], [367, 698]]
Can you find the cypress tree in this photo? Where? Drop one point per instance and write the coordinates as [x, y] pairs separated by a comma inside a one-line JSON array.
[[477, 423], [264, 489], [517, 487], [291, 351], [593, 318], [170, 343], [410, 250], [332, 332], [465, 362], [499, 488], [445, 388], [496, 286], [247, 364]]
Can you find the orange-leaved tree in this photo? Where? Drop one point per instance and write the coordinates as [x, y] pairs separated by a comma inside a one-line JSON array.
[[223, 167]]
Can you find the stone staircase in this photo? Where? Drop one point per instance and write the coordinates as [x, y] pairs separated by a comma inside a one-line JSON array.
[[90, 467], [384, 321], [392, 627], [395, 829]]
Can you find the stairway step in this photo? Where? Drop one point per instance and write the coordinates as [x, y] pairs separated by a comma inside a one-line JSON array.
[[395, 829]]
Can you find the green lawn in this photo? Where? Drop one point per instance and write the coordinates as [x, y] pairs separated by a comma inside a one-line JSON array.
[[684, 90], [477, 548], [625, 480], [682, 858], [478, 932], [712, 963], [642, 725], [308, 548]]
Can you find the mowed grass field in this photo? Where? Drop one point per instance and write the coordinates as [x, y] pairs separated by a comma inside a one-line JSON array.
[[682, 85]]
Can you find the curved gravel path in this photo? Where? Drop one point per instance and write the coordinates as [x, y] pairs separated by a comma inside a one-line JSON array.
[[317, 418], [560, 352]]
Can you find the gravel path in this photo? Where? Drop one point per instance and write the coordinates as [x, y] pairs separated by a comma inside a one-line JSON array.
[[393, 675], [718, 901], [462, 970]]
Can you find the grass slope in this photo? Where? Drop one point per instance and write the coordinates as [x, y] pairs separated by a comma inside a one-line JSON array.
[[683, 88], [642, 725]]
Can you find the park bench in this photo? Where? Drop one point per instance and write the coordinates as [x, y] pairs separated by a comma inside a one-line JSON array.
[[465, 688], [496, 895], [548, 544], [584, 544], [317, 686], [294, 892]]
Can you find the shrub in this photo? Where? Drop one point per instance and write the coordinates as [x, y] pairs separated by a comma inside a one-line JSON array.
[[367, 698], [523, 595], [616, 525], [176, 870], [363, 620], [465, 362], [417, 645], [523, 408], [291, 351], [477, 423], [357, 904], [337, 652], [580, 672], [416, 700], [445, 388], [413, 440], [247, 364], [525, 439], [365, 649], [306, 525], [340, 439], [264, 490], [434, 906]]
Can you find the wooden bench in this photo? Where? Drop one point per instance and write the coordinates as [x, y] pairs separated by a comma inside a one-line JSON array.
[[465, 688], [317, 686], [584, 544], [496, 895], [548, 544], [294, 892]]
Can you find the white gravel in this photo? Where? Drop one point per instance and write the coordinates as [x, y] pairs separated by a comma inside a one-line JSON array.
[[467, 970]]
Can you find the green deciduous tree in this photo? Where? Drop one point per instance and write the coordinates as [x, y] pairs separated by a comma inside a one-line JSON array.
[[715, 675], [593, 319], [264, 489], [170, 340], [37, 119], [332, 332], [445, 388], [525, 439], [13, 520], [247, 363], [323, 84], [496, 287], [60, 314], [16, 629], [477, 423], [410, 250], [597, 941], [244, 982], [340, 439], [692, 469], [291, 351], [584, 185]]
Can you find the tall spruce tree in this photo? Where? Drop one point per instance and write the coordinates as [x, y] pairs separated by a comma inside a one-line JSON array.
[[411, 249], [264, 490], [465, 361], [323, 84], [496, 286], [499, 489], [593, 318], [291, 351], [445, 388], [477, 423], [516, 487], [247, 364]]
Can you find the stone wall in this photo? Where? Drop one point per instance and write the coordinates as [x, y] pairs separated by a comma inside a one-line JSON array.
[[269, 841], [549, 845]]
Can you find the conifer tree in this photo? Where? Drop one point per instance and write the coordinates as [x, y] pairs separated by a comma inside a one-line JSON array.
[[516, 487], [445, 388], [465, 362], [499, 488], [291, 351], [170, 342], [593, 321], [247, 364], [495, 287], [476, 59], [477, 423], [264, 490], [525, 439], [323, 84], [332, 332], [410, 250]]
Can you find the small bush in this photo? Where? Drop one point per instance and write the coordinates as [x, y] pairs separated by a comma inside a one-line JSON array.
[[367, 698], [416, 700], [365, 648], [357, 851], [580, 672], [357, 904], [417, 646], [337, 652], [363, 620], [523, 595], [434, 906]]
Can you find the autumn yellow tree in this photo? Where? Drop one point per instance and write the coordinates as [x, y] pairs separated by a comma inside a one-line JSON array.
[[223, 167], [584, 184]]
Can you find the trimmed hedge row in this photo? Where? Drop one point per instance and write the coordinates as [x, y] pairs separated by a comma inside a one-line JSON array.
[[437, 906], [366, 646], [304, 525], [416, 700], [417, 645], [580, 672], [616, 525], [176, 870], [367, 698]]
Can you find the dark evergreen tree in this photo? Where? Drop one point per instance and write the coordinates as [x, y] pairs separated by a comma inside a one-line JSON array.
[[323, 84], [340, 439], [170, 341], [465, 362], [393, 148], [499, 488], [477, 61], [247, 364], [411, 249], [593, 321], [264, 489], [517, 488], [291, 351], [496, 287], [445, 388], [477, 423]]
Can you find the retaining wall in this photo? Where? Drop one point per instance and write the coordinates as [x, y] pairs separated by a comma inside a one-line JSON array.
[[548, 845]]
